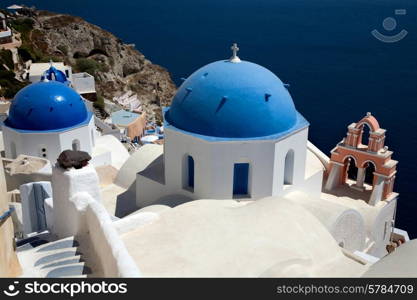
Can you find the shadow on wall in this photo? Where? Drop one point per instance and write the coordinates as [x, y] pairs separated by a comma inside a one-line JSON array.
[[126, 202], [172, 200]]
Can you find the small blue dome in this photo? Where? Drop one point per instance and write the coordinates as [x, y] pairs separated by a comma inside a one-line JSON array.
[[54, 74], [47, 106], [233, 100]]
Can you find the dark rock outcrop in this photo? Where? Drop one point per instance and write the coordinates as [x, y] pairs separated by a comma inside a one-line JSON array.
[[117, 67]]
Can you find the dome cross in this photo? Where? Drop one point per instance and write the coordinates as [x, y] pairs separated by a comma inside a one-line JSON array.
[[234, 58]]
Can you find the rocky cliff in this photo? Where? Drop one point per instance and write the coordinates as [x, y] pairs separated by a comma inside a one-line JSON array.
[[118, 68]]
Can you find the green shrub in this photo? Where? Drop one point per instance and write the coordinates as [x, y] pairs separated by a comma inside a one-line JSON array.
[[90, 66], [6, 57], [9, 85], [6, 75], [48, 58], [24, 26], [99, 103], [27, 53]]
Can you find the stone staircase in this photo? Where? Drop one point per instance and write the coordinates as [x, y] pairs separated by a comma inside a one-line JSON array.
[[43, 256]]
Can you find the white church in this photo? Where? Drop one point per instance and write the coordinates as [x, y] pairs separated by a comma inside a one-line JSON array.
[[45, 119], [232, 132], [49, 116], [236, 189]]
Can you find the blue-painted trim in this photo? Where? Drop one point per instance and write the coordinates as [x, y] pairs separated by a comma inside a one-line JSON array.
[[7, 214], [85, 122], [300, 124]]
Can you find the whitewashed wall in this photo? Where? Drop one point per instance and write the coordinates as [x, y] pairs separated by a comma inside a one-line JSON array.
[[379, 227], [296, 142], [214, 166], [103, 159], [106, 248], [83, 83], [77, 211], [345, 224], [55, 142]]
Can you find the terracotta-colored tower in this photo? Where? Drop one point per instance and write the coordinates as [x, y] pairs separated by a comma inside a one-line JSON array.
[[352, 150]]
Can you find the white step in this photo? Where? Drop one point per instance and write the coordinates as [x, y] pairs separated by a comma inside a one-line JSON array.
[[70, 270], [63, 262], [55, 259], [47, 257], [59, 244]]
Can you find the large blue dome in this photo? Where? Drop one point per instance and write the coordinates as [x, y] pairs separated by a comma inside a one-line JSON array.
[[47, 106], [233, 100]]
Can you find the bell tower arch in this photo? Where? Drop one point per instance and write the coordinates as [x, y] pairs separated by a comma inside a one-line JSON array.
[[372, 160]]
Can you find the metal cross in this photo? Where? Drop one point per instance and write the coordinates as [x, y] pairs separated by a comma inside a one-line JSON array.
[[234, 57], [235, 49]]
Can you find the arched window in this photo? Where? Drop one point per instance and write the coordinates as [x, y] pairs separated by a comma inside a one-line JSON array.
[[369, 172], [188, 172], [365, 134], [289, 167], [352, 170], [76, 145]]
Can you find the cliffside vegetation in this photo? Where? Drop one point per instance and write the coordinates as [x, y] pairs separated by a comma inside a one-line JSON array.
[[117, 67], [9, 84]]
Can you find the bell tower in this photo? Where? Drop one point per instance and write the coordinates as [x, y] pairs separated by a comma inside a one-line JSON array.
[[352, 150]]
